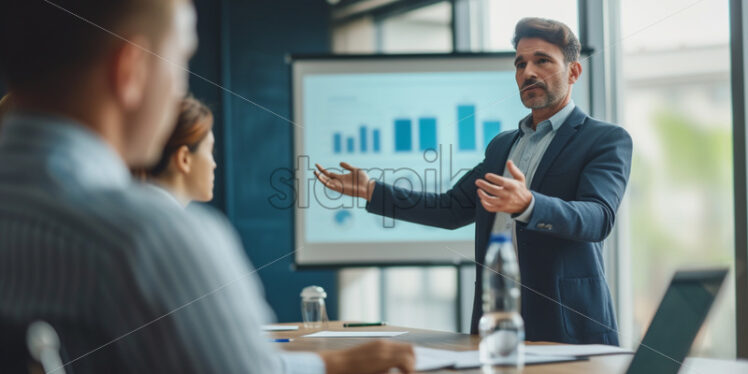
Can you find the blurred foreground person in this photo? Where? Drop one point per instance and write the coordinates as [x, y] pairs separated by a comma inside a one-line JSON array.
[[131, 282]]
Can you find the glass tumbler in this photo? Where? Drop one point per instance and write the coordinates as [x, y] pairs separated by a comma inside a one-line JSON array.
[[313, 311]]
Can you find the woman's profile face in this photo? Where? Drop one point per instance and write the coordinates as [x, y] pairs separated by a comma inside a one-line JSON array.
[[201, 175]]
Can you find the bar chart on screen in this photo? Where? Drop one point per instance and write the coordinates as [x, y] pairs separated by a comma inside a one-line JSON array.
[[420, 131], [419, 134], [417, 124]]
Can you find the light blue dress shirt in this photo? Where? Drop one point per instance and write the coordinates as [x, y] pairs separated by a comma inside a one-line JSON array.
[[121, 271], [526, 153]]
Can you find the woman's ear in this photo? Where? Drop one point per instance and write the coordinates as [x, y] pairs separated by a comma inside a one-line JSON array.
[[182, 159]]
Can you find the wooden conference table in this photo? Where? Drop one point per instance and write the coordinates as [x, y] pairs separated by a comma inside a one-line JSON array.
[[443, 340]]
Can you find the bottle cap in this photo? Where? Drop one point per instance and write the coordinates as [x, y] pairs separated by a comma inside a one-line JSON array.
[[312, 292], [501, 237]]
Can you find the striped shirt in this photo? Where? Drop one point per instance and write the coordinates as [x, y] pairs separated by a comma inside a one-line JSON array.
[[131, 281], [526, 153]]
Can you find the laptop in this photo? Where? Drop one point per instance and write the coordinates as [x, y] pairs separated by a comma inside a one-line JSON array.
[[677, 321]]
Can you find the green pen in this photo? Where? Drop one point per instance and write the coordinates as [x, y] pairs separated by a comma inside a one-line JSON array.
[[364, 324]]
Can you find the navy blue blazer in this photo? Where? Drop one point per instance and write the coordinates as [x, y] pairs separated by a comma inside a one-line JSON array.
[[578, 187]]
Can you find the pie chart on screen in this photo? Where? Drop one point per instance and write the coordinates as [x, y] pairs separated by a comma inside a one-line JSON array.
[[343, 218]]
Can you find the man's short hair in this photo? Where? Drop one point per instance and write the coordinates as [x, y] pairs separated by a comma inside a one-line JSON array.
[[551, 31], [48, 43]]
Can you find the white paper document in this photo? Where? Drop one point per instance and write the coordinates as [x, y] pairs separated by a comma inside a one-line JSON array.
[[699, 365], [355, 334], [579, 350], [471, 359], [432, 359], [279, 328]]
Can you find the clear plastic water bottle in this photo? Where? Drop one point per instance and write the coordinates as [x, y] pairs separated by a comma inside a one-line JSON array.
[[501, 327]]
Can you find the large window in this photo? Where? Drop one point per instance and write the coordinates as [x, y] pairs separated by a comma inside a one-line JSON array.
[[675, 102], [499, 17], [425, 29]]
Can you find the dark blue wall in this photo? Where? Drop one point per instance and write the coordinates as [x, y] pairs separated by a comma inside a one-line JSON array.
[[243, 45], [205, 84]]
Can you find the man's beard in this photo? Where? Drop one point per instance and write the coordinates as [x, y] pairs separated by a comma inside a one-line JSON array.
[[532, 101]]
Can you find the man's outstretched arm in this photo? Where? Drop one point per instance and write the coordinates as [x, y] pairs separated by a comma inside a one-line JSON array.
[[450, 210]]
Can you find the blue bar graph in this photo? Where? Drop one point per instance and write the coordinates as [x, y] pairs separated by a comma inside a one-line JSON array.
[[370, 139], [490, 129], [466, 127], [350, 144], [375, 136], [427, 133], [337, 141], [362, 138], [403, 135]]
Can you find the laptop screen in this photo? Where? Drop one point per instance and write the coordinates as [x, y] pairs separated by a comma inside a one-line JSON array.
[[677, 321]]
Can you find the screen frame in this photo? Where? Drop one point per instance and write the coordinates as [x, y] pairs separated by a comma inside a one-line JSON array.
[[462, 251]]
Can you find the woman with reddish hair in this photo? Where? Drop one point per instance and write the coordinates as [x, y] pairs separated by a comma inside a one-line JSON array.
[[185, 171]]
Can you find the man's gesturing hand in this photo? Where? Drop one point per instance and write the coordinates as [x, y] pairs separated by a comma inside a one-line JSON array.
[[376, 357], [356, 183], [499, 194]]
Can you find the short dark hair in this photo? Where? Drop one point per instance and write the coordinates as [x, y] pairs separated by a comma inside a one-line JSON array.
[[552, 31], [46, 44]]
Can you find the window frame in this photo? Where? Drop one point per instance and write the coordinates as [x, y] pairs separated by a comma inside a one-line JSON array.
[[738, 67]]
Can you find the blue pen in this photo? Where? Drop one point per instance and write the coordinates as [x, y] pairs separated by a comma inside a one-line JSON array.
[[281, 340]]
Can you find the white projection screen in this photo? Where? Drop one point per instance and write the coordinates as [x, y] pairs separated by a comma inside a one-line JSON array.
[[416, 121]]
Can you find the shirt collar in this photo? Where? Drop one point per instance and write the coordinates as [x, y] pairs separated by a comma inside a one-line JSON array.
[[555, 121], [66, 148]]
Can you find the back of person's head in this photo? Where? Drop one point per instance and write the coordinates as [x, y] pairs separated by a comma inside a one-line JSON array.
[[194, 123], [122, 58], [551, 31], [47, 43]]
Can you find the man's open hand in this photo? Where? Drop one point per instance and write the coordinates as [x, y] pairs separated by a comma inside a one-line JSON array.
[[356, 183], [499, 194]]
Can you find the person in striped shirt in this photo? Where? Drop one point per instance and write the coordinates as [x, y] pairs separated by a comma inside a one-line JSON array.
[[131, 282]]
